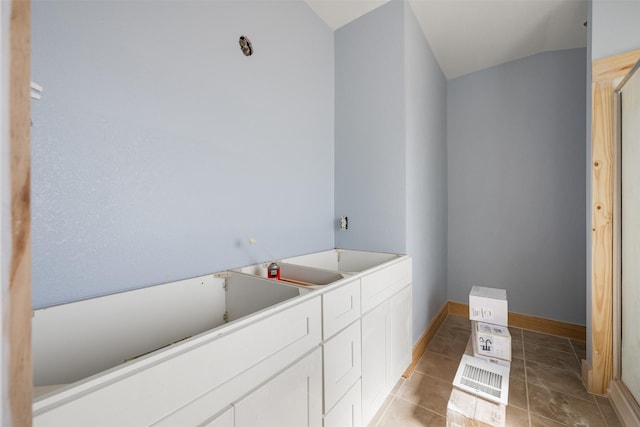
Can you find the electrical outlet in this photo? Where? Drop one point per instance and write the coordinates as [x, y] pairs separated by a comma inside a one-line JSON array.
[[344, 223]]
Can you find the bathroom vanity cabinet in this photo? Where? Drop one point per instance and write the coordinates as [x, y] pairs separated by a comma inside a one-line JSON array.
[[246, 350]]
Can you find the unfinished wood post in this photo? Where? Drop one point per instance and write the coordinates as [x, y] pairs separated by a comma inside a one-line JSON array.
[[606, 73], [15, 150]]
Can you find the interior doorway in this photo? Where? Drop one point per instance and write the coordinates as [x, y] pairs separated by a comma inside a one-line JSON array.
[[625, 387]]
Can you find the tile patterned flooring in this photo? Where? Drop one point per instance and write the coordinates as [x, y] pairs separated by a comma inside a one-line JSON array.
[[545, 386]]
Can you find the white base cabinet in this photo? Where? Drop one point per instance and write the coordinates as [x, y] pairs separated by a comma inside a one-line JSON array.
[[325, 356], [291, 399], [386, 349], [348, 411], [225, 419]]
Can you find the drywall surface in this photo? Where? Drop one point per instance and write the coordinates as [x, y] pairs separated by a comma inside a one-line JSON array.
[[515, 158], [370, 131], [159, 148], [391, 148], [426, 174], [615, 27]]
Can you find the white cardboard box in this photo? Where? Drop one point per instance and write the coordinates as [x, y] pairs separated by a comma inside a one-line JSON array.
[[490, 340], [488, 305], [466, 410], [469, 350]]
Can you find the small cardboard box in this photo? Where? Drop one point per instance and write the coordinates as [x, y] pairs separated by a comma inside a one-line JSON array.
[[466, 410], [490, 340], [488, 305], [469, 351]]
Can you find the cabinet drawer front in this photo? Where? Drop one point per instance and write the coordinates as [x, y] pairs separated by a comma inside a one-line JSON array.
[[348, 411], [223, 420], [339, 308], [382, 284], [342, 364], [164, 386], [291, 399]]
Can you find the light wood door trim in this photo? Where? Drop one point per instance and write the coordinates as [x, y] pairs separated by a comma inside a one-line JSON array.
[[17, 295], [606, 74]]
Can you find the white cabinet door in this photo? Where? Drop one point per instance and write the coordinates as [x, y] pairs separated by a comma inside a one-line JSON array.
[[374, 360], [386, 349], [225, 419], [348, 411], [293, 398], [342, 364], [401, 333]]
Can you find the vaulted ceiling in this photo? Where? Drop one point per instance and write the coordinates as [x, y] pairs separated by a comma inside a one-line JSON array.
[[471, 35]]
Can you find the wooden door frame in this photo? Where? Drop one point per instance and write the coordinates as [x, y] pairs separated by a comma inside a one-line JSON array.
[[606, 75], [15, 214], [621, 398]]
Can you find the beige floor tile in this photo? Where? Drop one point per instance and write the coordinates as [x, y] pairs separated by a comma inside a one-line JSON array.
[[516, 333], [564, 408], [438, 366], [428, 392], [539, 421], [562, 380], [610, 416], [551, 357], [454, 332], [580, 347], [460, 321], [518, 393], [546, 340], [402, 413], [545, 384], [517, 349], [446, 347], [517, 369], [517, 417]]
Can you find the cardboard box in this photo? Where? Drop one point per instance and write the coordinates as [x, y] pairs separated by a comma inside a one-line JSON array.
[[488, 305], [466, 410], [493, 341], [469, 351]]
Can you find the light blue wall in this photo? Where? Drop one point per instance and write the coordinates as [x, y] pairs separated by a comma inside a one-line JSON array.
[[426, 174], [516, 157], [391, 148], [370, 131], [158, 148], [615, 27]]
